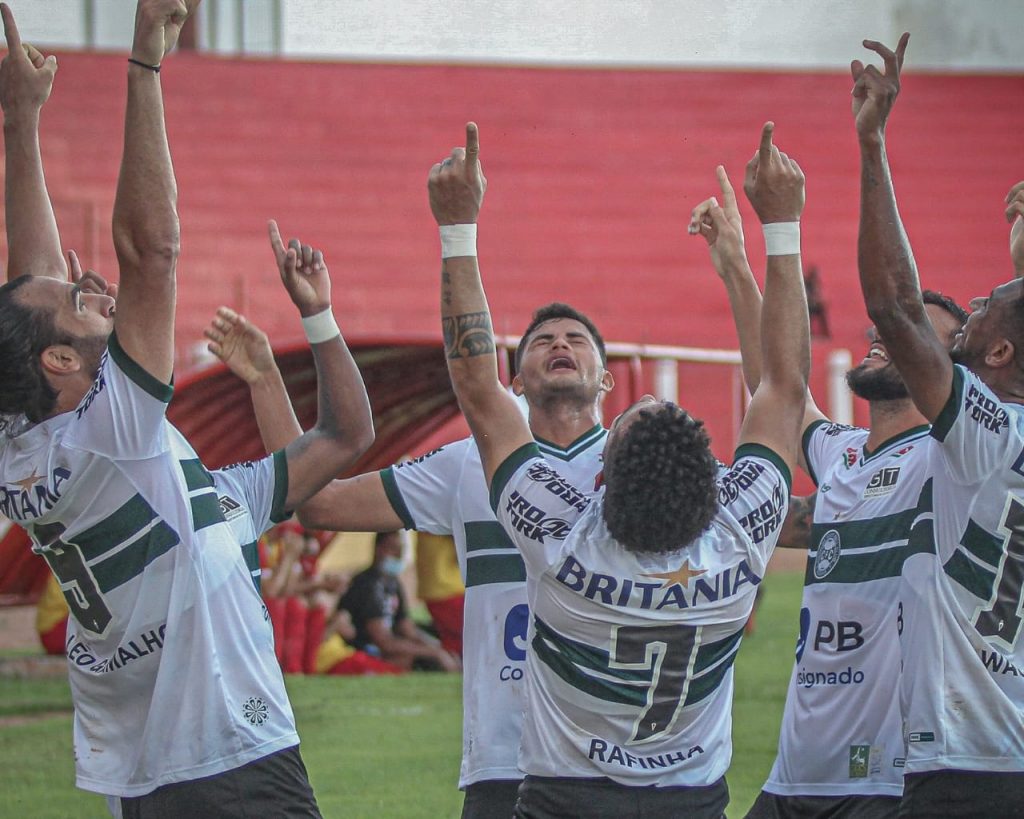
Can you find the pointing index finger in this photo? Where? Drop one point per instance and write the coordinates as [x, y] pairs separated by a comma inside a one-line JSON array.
[[275, 241], [10, 29], [728, 194], [765, 149], [472, 140], [892, 59], [901, 48]]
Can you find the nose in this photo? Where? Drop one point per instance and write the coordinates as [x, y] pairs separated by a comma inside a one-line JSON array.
[[101, 303], [976, 303]]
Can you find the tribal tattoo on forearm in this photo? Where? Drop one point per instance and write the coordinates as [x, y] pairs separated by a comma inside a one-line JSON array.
[[468, 335]]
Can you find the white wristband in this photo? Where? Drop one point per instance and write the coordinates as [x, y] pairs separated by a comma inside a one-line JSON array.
[[320, 327], [457, 240], [781, 238]]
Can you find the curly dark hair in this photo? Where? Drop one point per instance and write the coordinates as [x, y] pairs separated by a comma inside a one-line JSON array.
[[24, 333], [559, 310], [946, 303], [660, 481]]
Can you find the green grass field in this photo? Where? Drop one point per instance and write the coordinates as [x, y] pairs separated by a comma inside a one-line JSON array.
[[384, 747]]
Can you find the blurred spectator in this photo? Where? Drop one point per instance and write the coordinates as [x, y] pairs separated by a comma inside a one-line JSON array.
[[297, 595], [377, 605], [337, 656], [439, 585]]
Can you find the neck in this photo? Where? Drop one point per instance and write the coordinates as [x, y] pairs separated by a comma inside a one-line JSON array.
[[69, 395], [890, 418], [561, 424], [1006, 382]]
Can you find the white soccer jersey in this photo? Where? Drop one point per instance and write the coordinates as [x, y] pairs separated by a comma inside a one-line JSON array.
[[842, 731], [170, 653], [630, 669], [962, 643], [445, 493]]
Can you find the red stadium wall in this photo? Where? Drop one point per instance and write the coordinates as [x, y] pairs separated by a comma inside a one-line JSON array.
[[592, 176]]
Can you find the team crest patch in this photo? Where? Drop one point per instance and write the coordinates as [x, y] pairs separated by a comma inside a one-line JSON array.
[[255, 711], [849, 457], [828, 554], [859, 761]]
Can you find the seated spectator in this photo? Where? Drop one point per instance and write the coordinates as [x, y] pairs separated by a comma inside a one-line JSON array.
[[377, 605], [297, 595], [439, 585], [336, 656]]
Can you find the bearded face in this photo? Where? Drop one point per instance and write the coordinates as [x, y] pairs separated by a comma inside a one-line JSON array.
[[873, 383]]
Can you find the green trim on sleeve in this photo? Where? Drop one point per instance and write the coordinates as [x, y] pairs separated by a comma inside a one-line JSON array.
[[152, 385], [805, 443], [503, 474], [759, 451], [944, 423], [277, 511], [387, 477]]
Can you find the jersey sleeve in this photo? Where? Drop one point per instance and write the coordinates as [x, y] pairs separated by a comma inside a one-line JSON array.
[[978, 432], [123, 415], [261, 485], [535, 505], [824, 443], [423, 491], [755, 491]]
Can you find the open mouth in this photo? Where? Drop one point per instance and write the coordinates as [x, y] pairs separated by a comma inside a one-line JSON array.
[[561, 363], [877, 353]]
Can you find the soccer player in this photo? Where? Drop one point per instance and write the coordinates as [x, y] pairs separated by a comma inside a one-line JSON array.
[[841, 740], [962, 689], [561, 373], [638, 598], [180, 707]]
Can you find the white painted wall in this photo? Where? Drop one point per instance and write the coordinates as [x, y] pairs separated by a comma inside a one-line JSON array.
[[951, 34]]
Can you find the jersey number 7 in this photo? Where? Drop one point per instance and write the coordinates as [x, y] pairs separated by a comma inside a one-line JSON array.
[[668, 653]]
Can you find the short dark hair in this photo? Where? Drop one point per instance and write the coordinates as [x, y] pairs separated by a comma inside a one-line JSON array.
[[559, 310], [660, 481], [946, 303], [24, 333]]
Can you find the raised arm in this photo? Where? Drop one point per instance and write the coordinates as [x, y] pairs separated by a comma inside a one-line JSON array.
[[1015, 216], [774, 184], [888, 274], [26, 78], [344, 424], [145, 207], [722, 228], [357, 504], [245, 349], [456, 186]]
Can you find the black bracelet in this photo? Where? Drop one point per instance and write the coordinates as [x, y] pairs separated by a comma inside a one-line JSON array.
[[153, 68]]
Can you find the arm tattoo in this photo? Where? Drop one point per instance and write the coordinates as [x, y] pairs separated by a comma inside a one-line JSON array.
[[468, 335]]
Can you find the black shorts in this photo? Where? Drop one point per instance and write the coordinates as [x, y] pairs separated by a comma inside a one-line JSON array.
[[490, 799], [542, 797], [274, 787], [773, 806], [979, 794]]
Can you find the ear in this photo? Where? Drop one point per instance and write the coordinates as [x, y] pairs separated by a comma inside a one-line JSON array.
[[1000, 354], [607, 382], [517, 385], [60, 360]]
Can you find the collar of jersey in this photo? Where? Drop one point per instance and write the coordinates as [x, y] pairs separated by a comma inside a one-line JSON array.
[[595, 433], [899, 438]]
